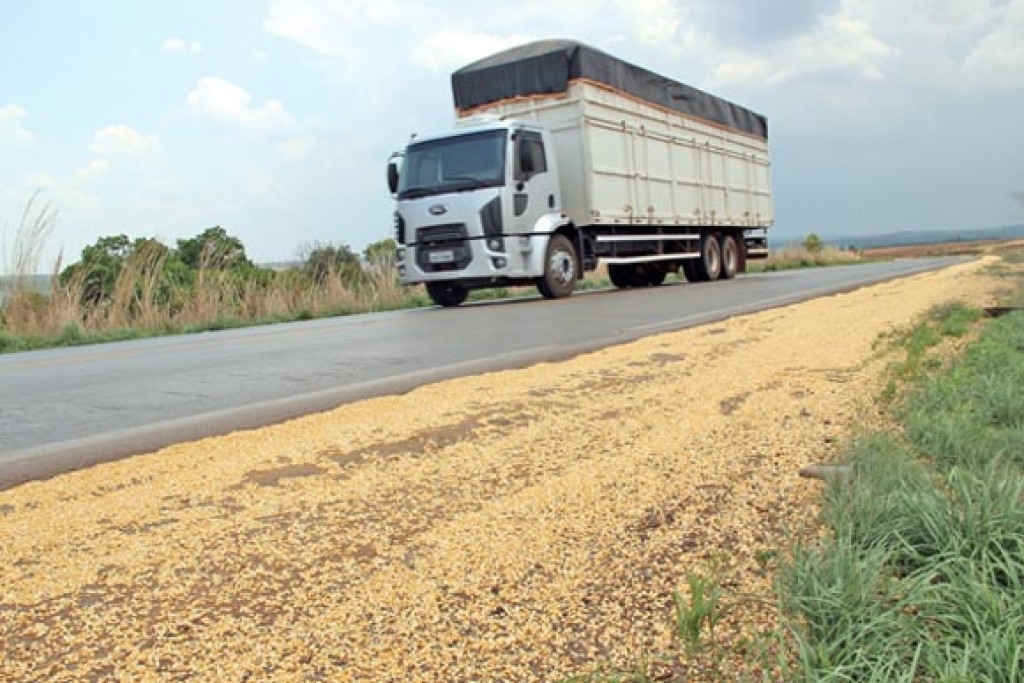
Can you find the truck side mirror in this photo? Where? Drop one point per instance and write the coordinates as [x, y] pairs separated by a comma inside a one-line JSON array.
[[393, 173]]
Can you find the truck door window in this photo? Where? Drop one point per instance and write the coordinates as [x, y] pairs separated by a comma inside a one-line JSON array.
[[531, 157]]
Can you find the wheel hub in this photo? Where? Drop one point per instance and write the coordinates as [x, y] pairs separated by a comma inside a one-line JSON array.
[[562, 267]]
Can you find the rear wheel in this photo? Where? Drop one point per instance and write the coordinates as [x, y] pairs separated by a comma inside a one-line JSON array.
[[560, 271], [730, 257], [656, 277], [689, 268], [447, 294], [709, 265], [621, 275]]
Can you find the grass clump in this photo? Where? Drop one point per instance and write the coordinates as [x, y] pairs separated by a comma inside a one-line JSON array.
[[698, 612], [951, 320]]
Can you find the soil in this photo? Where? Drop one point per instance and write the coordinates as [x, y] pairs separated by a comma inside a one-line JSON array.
[[521, 525]]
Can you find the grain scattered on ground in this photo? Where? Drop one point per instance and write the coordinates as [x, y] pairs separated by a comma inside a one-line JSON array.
[[515, 526]]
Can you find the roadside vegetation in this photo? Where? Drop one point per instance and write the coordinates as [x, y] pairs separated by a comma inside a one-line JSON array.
[[920, 575], [126, 289], [811, 253], [916, 572], [122, 288]]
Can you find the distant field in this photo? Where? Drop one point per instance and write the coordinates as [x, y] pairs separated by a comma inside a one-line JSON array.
[[943, 249]]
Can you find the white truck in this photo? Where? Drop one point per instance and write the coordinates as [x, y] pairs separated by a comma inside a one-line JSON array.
[[563, 158]]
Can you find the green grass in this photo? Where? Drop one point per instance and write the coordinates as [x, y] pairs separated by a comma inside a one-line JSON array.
[[699, 612], [921, 575], [949, 320]]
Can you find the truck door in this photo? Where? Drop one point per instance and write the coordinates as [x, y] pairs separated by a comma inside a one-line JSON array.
[[534, 189]]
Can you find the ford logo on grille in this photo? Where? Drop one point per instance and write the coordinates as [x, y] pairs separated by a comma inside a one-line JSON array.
[[437, 210]]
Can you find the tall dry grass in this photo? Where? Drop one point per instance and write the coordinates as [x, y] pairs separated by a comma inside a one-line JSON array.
[[799, 257], [145, 301], [23, 305]]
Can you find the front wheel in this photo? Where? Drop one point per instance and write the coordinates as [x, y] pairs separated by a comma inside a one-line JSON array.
[[560, 272], [447, 294]]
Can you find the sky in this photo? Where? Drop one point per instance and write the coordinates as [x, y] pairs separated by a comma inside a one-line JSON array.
[[275, 118]]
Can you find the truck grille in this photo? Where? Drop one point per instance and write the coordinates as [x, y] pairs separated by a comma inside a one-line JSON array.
[[443, 247], [441, 233]]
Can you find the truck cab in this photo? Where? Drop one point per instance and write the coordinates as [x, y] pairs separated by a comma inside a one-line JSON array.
[[478, 207]]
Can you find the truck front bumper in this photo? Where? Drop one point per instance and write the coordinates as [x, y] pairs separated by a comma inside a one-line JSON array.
[[456, 258]]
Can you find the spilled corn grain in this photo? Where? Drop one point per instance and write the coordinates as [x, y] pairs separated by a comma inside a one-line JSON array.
[[516, 526]]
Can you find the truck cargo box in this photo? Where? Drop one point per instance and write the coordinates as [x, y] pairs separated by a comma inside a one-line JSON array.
[[632, 147]]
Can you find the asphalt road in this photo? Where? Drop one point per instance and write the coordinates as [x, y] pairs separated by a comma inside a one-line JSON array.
[[68, 408]]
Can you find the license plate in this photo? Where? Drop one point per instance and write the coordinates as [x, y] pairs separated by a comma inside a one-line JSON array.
[[441, 256]]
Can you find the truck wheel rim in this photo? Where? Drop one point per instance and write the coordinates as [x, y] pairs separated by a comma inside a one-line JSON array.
[[729, 256], [562, 268], [713, 259]]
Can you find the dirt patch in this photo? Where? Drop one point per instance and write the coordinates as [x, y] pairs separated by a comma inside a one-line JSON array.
[[729, 405], [667, 358], [274, 477], [513, 526]]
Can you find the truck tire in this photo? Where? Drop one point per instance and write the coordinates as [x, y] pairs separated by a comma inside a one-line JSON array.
[[689, 269], [447, 294], [621, 275], [709, 265], [655, 278], [730, 257], [560, 269]]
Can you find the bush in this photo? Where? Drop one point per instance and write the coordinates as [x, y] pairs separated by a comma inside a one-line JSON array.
[[813, 243]]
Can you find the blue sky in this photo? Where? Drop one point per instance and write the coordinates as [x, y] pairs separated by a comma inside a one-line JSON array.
[[274, 119]]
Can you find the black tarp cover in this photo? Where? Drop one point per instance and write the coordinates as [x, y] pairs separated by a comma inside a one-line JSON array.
[[546, 67]]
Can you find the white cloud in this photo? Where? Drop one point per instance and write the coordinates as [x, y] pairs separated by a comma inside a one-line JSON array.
[[12, 128], [325, 26], [651, 21], [40, 180], [954, 44], [180, 46], [998, 58], [220, 100], [67, 193], [124, 140], [296, 149], [260, 186], [93, 170], [840, 47], [448, 49]]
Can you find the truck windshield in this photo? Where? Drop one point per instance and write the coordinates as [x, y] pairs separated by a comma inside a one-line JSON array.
[[455, 164]]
